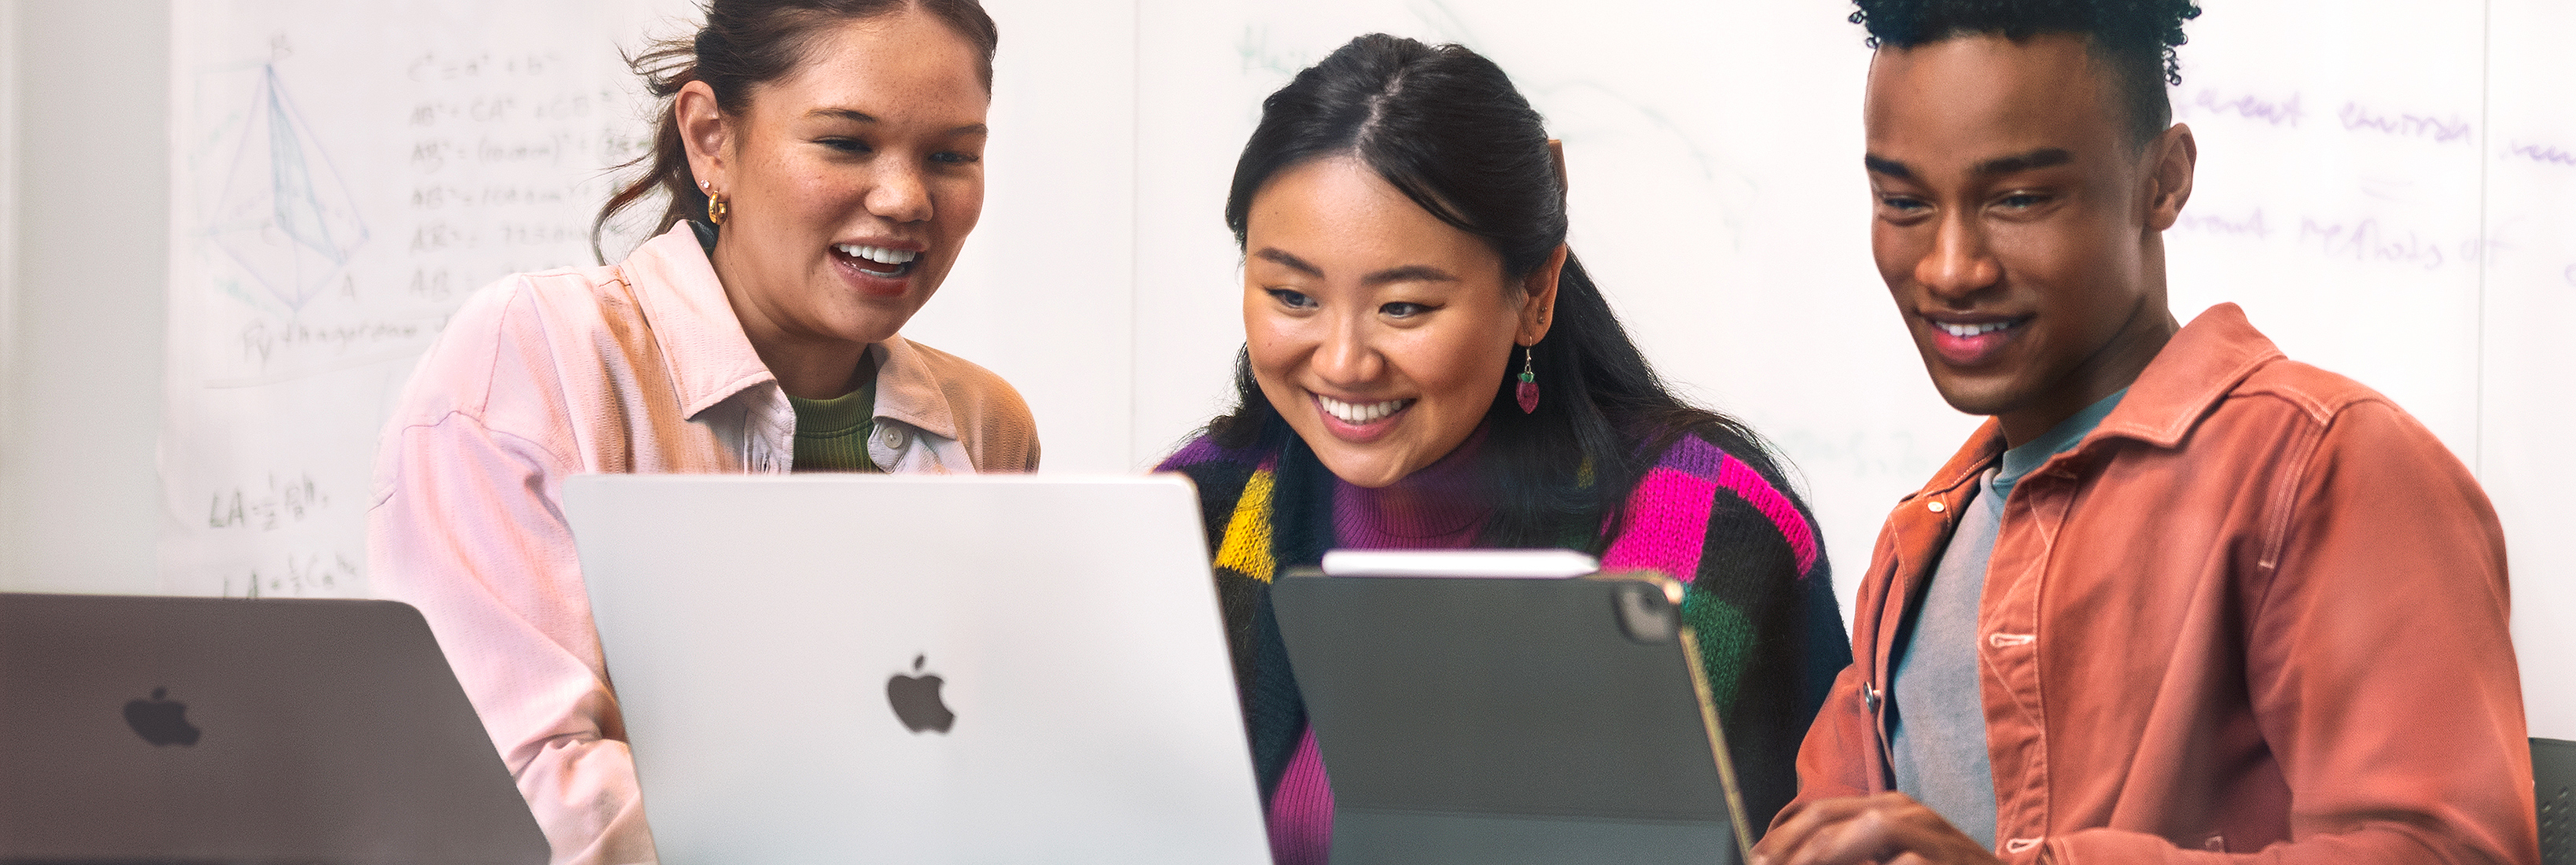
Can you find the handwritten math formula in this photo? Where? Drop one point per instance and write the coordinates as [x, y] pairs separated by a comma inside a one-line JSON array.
[[277, 504], [300, 575], [339, 193]]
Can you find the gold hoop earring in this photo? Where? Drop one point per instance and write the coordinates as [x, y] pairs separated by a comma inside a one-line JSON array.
[[716, 209]]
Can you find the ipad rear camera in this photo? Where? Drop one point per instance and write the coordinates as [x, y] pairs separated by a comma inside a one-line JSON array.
[[1645, 613]]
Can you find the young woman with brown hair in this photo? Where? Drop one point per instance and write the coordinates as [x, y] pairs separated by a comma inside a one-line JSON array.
[[823, 165]]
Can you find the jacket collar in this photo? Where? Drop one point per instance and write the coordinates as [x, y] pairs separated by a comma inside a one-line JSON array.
[[2197, 368], [2206, 360], [1984, 447], [710, 360], [703, 348], [907, 391]]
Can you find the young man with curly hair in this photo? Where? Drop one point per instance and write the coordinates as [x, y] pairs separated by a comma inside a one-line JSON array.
[[2181, 598]]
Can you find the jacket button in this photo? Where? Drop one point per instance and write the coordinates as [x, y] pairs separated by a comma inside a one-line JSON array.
[[1869, 697], [1936, 506]]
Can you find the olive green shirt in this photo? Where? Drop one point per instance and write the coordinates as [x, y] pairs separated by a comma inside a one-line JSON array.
[[832, 434]]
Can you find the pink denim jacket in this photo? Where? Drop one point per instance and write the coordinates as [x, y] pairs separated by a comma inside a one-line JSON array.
[[636, 367]]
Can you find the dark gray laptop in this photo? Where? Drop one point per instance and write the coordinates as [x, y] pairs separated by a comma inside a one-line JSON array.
[[1475, 719], [146, 729]]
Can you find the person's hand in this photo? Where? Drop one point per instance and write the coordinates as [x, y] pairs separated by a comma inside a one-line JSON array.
[[1885, 829]]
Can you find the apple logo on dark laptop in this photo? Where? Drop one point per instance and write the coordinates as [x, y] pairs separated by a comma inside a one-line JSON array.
[[916, 700], [160, 721]]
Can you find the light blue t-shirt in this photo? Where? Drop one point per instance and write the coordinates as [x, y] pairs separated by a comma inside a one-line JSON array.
[[1938, 738]]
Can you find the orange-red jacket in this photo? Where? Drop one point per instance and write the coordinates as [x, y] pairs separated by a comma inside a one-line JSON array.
[[2258, 614]]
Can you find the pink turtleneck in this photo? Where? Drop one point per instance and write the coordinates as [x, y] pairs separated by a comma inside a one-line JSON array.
[[1442, 506]]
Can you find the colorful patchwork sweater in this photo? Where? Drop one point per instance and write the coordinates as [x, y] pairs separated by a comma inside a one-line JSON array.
[[1760, 597]]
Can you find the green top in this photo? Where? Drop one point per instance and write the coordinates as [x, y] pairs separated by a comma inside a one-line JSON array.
[[832, 434]]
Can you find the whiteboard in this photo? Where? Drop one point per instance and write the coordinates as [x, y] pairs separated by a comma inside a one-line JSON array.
[[2382, 192], [2526, 359], [343, 175]]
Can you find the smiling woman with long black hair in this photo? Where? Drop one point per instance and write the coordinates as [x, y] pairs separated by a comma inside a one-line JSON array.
[[1426, 365], [823, 163]]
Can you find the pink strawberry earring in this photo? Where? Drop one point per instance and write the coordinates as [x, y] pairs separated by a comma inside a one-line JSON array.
[[1527, 391]]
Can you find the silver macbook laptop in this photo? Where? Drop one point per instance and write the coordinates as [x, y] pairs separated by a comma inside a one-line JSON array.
[[142, 729], [865, 668]]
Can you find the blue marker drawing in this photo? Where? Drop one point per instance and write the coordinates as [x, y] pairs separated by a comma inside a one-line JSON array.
[[284, 214]]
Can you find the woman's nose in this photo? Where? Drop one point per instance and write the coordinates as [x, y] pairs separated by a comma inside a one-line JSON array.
[[1347, 356], [900, 194]]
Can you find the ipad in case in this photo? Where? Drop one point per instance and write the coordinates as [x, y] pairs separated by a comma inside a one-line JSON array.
[[1517, 715]]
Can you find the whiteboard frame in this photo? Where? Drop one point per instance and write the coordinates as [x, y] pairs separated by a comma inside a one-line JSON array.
[[8, 207]]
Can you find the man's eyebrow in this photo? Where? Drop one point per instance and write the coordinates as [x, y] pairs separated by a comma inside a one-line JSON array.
[[2041, 158], [1889, 167], [1291, 262]]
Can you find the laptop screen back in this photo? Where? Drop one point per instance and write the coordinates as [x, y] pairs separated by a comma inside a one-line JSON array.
[[919, 669], [206, 729]]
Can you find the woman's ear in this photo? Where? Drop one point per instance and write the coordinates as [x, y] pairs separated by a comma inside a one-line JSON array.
[[1538, 298], [706, 132]]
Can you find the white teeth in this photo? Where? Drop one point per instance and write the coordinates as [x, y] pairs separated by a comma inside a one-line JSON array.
[[1964, 331], [1360, 413], [878, 254]]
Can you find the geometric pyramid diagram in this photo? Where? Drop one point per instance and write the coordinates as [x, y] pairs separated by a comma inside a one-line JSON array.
[[284, 213]]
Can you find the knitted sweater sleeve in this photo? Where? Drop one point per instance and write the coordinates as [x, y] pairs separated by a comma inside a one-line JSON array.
[[1234, 489], [1760, 601]]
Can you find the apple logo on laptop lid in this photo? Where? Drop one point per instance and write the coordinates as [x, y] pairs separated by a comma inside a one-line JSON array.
[[916, 699], [161, 721]]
